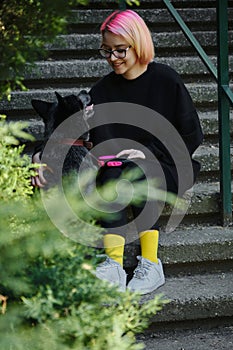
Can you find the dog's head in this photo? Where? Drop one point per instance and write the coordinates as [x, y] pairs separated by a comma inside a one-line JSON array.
[[54, 113]]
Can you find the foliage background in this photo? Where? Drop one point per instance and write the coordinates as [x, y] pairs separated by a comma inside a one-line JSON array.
[[25, 27]]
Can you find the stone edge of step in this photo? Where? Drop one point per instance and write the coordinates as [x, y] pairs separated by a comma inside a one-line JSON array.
[[195, 297]]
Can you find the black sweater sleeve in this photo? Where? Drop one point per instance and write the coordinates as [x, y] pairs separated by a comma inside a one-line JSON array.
[[187, 120]]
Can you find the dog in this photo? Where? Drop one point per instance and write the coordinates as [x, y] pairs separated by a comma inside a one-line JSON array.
[[76, 150]]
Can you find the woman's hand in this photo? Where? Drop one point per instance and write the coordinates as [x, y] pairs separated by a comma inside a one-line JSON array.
[[131, 153], [38, 180]]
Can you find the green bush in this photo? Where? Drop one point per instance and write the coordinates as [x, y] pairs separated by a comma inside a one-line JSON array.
[[53, 293], [15, 168], [54, 301]]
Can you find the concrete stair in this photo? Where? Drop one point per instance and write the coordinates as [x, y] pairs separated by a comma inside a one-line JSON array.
[[198, 255], [198, 265]]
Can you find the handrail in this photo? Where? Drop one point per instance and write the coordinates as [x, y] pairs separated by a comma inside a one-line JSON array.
[[191, 38], [225, 97]]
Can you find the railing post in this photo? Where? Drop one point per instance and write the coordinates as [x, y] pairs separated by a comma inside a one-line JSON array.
[[224, 112]]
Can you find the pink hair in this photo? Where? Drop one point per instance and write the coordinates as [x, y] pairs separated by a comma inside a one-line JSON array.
[[134, 30]]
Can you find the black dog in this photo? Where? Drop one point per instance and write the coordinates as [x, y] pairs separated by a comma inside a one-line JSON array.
[[64, 139]]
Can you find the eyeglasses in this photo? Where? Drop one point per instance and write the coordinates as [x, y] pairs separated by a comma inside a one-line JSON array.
[[118, 53]]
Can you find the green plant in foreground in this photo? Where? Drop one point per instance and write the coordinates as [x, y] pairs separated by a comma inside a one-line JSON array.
[[54, 301], [15, 168], [53, 293]]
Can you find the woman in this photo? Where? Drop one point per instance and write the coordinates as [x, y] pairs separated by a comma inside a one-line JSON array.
[[128, 48], [136, 79]]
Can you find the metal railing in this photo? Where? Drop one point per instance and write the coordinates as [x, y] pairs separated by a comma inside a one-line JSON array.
[[225, 97]]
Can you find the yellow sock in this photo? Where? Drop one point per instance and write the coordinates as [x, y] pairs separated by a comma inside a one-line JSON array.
[[149, 245], [114, 247]]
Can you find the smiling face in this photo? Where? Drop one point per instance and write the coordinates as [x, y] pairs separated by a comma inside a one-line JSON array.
[[129, 67]]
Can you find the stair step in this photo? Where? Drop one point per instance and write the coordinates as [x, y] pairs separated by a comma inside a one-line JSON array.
[[203, 94], [176, 40], [203, 199], [208, 156], [208, 120], [82, 69], [159, 4], [203, 208], [151, 16], [190, 250], [198, 338], [195, 297]]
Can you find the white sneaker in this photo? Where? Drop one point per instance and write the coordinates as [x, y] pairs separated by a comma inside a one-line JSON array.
[[148, 276], [113, 272]]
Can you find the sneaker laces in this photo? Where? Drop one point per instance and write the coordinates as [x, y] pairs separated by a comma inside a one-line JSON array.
[[142, 269]]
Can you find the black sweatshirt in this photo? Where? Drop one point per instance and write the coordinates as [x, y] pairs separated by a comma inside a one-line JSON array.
[[160, 89]]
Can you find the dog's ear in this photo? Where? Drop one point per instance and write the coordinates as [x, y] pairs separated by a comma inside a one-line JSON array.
[[60, 99], [84, 97], [43, 108]]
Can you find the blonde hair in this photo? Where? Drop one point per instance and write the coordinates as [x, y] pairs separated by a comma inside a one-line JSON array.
[[134, 30]]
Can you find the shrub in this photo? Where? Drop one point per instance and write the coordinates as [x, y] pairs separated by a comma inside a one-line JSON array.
[[54, 301], [15, 169]]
